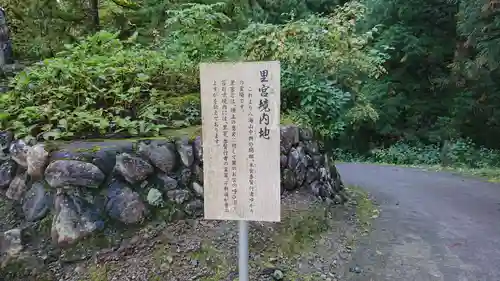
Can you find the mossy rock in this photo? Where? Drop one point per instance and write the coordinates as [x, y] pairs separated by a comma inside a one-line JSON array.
[[90, 147], [190, 132], [182, 101]]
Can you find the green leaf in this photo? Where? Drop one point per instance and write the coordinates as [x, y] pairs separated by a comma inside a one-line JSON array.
[[63, 123], [4, 116], [52, 135]]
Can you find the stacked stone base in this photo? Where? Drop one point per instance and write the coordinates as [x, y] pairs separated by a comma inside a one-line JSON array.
[[306, 166], [83, 184]]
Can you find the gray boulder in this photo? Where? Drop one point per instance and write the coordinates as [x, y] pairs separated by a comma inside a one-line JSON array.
[[161, 155], [312, 147], [184, 177], [294, 158], [155, 198], [5, 140], [198, 173], [133, 169], [283, 161], [179, 196], [62, 173], [185, 151], [318, 161], [300, 173], [11, 243], [312, 175], [7, 171], [198, 189], [124, 204], [100, 153], [167, 183], [288, 179], [289, 136], [19, 152], [36, 160], [74, 219], [198, 149], [17, 188], [194, 208], [36, 202], [305, 134], [315, 188]]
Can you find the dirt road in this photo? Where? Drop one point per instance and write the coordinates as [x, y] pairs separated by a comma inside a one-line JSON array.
[[432, 226]]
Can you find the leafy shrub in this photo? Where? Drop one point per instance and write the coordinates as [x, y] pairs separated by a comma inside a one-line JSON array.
[[463, 152], [197, 30], [102, 85], [324, 62], [343, 155], [458, 153], [405, 154], [323, 59]]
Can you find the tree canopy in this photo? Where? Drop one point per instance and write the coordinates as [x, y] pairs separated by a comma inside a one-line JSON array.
[[365, 73]]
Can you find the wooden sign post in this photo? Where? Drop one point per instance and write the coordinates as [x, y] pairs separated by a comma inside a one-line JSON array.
[[241, 145]]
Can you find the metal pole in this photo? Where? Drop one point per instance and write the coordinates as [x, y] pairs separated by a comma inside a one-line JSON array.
[[243, 251]]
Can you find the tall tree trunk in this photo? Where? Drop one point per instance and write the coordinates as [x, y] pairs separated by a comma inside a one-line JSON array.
[[94, 14]]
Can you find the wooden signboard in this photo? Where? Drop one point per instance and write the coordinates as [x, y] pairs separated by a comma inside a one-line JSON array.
[[241, 140]]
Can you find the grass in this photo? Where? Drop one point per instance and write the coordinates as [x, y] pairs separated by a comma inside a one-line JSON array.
[[207, 255], [299, 229], [213, 259], [365, 209], [489, 174], [93, 243], [98, 273], [191, 132], [293, 238], [44, 226], [366, 212], [276, 243], [162, 255]]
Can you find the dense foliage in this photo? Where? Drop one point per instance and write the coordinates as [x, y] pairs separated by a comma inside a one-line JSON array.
[[103, 84], [459, 153], [97, 87], [400, 81]]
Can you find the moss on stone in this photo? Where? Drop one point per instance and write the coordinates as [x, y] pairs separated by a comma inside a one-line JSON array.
[[45, 225], [94, 148], [168, 134], [286, 120], [183, 100], [191, 132], [51, 146]]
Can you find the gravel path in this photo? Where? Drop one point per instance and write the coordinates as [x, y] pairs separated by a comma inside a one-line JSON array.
[[432, 226]]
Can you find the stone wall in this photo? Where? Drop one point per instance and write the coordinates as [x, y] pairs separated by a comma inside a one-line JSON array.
[[84, 184]]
